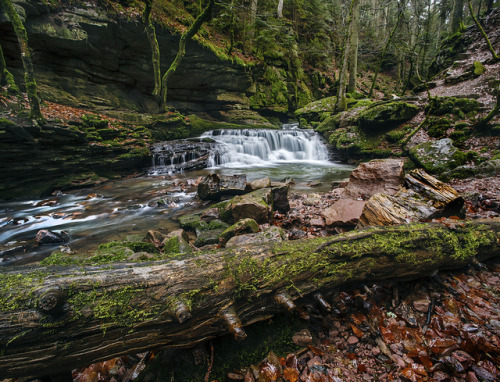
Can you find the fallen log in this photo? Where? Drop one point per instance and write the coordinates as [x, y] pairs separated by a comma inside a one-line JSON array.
[[61, 317]]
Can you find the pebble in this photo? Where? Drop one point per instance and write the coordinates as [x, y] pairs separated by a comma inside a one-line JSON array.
[[302, 338], [421, 305], [352, 340], [376, 351]]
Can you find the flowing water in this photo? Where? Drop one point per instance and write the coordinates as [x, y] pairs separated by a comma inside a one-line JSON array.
[[120, 209]]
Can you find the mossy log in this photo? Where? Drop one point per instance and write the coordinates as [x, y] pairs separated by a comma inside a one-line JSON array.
[[60, 317]]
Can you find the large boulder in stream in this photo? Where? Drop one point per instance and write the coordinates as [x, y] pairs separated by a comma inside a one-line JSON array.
[[214, 186]]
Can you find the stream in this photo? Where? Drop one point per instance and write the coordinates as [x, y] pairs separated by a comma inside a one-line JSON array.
[[126, 209]]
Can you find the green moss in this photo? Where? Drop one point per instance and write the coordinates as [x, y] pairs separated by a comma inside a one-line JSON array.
[[18, 291], [114, 307], [452, 105], [478, 68], [386, 115], [133, 245], [240, 227], [437, 127], [94, 121], [395, 135]]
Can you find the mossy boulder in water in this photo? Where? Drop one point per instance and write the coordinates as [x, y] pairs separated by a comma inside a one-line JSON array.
[[438, 156], [386, 115]]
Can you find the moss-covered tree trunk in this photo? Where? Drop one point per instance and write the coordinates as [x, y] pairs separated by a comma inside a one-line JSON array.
[[29, 75], [155, 48], [62, 317], [195, 27]]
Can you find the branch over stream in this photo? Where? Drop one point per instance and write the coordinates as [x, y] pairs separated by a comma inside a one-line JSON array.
[[62, 317]]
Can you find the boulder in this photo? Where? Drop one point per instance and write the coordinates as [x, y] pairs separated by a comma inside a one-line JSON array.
[[437, 156], [176, 242], [386, 115], [377, 176], [272, 234], [280, 199], [193, 222], [45, 236], [423, 197], [242, 226], [154, 237], [259, 183], [210, 214], [256, 205], [343, 212], [208, 237], [214, 186]]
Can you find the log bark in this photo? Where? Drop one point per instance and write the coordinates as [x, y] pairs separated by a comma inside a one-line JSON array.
[[63, 317]]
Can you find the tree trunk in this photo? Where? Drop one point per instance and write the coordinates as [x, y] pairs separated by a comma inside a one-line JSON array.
[[155, 49], [341, 99], [280, 9], [253, 17], [353, 53], [3, 67], [384, 53], [62, 317], [195, 27], [457, 15], [29, 76]]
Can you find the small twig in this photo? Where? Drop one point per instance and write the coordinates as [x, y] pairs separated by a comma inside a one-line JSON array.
[[210, 365]]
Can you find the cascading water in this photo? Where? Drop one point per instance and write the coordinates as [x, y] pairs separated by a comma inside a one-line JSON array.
[[252, 147], [240, 148]]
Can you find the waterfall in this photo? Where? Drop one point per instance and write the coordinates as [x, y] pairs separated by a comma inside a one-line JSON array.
[[256, 147], [232, 148]]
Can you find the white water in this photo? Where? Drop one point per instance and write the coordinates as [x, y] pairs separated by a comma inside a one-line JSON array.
[[262, 148]]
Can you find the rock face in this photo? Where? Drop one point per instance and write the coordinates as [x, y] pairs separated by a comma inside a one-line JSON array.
[[437, 156], [380, 175], [422, 197], [91, 57]]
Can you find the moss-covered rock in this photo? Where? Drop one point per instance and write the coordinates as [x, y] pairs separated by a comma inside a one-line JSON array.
[[242, 226], [272, 92], [452, 105], [386, 115], [176, 242], [256, 205], [193, 222], [438, 156], [208, 237]]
